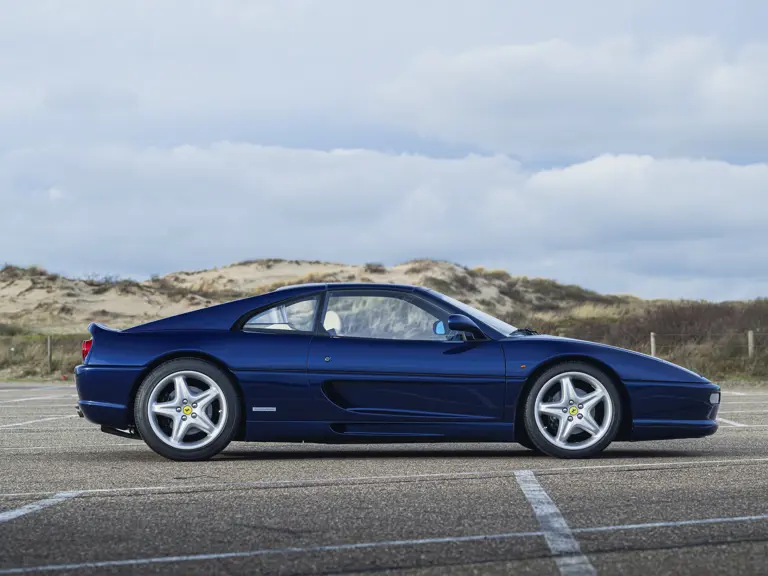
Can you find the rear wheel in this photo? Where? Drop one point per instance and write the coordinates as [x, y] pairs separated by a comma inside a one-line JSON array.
[[573, 410], [187, 409]]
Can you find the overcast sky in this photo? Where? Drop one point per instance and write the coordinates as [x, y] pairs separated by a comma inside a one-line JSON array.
[[620, 145]]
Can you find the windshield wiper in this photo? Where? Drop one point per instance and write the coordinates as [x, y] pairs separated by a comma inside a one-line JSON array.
[[526, 331]]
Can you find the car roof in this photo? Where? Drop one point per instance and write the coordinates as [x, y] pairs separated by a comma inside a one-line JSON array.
[[352, 286]]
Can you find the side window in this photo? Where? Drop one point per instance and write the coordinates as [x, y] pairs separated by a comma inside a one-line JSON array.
[[298, 315], [387, 317]]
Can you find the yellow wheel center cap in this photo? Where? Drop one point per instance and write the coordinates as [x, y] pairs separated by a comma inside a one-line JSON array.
[[573, 410], [187, 410]]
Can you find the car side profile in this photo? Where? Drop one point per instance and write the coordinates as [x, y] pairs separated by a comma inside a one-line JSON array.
[[367, 363]]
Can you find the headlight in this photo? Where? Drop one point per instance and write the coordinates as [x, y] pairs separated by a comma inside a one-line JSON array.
[[714, 398]]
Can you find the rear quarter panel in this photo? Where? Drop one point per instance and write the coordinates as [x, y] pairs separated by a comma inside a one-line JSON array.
[[263, 365]]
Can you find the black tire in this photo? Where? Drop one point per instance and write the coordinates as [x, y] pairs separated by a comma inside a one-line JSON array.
[[542, 442], [525, 442], [228, 390]]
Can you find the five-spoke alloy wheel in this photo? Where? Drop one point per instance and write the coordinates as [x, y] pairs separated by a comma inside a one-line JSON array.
[[572, 411], [187, 409]]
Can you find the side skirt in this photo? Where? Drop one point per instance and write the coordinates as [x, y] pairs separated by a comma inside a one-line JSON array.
[[378, 432]]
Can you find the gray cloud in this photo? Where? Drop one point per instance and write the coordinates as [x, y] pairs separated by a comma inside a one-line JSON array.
[[692, 96], [139, 137], [506, 75], [604, 223]]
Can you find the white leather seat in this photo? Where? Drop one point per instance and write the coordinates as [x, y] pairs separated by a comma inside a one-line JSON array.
[[332, 321]]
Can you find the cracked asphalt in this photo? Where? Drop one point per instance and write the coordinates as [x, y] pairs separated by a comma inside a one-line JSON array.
[[76, 501]]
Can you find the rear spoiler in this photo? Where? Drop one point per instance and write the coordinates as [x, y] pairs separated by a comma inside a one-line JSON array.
[[95, 327]]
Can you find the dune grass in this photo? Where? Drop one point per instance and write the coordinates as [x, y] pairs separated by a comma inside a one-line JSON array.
[[26, 355]]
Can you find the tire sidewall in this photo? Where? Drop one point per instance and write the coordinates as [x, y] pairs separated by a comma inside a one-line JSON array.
[[526, 443], [536, 436], [231, 396]]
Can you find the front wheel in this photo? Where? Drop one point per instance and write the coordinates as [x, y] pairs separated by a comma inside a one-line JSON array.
[[573, 410], [187, 409]]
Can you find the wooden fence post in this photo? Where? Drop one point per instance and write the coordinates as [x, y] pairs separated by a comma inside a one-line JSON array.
[[653, 343], [50, 355], [751, 343]]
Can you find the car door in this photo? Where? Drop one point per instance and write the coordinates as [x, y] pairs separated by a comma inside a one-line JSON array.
[[269, 357], [379, 358]]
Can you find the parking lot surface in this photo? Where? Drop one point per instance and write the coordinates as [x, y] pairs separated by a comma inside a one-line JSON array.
[[75, 500]]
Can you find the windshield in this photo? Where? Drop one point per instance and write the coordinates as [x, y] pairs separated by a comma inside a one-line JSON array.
[[494, 323]]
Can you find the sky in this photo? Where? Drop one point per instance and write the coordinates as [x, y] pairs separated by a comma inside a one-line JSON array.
[[620, 145]]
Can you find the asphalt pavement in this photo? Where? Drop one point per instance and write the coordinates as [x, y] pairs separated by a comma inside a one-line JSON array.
[[75, 500]]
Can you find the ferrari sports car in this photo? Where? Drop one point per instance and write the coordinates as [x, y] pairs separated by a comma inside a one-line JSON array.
[[364, 363]]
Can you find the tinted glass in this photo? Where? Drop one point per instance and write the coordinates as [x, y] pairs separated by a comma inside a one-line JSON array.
[[491, 321], [379, 317], [298, 315]]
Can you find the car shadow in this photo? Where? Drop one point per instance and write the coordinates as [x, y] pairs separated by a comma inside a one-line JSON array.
[[360, 452]]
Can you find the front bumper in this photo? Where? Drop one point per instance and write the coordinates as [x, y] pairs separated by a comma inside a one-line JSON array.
[[667, 410]]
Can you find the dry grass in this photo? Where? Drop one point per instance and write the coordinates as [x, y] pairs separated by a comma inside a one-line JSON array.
[[307, 279], [590, 310], [710, 338], [420, 266], [26, 355], [375, 268], [501, 275], [205, 291]]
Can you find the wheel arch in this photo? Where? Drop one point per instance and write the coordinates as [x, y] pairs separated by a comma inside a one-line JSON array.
[[625, 429], [196, 355]]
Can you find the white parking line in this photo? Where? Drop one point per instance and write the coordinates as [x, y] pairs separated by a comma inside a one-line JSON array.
[[558, 535], [17, 400], [743, 412], [670, 524], [47, 388], [731, 422], [732, 393], [295, 483], [310, 482], [685, 463], [83, 428], [70, 405], [74, 446], [35, 421], [267, 551], [363, 546], [35, 506]]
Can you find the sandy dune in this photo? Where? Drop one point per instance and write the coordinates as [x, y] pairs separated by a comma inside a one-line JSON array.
[[36, 300]]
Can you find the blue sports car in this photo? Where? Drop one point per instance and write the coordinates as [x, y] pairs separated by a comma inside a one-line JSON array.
[[363, 363]]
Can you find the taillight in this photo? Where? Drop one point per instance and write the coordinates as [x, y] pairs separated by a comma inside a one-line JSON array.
[[87, 347]]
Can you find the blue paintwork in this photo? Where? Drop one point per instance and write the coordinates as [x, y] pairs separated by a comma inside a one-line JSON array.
[[380, 390]]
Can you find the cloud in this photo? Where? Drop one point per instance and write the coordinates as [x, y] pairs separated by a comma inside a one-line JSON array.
[[503, 76], [620, 147], [691, 96], [619, 223]]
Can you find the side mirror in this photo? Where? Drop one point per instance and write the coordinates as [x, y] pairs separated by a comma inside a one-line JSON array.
[[461, 323], [438, 328]]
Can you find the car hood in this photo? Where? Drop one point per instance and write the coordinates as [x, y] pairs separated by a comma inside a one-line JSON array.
[[628, 364]]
